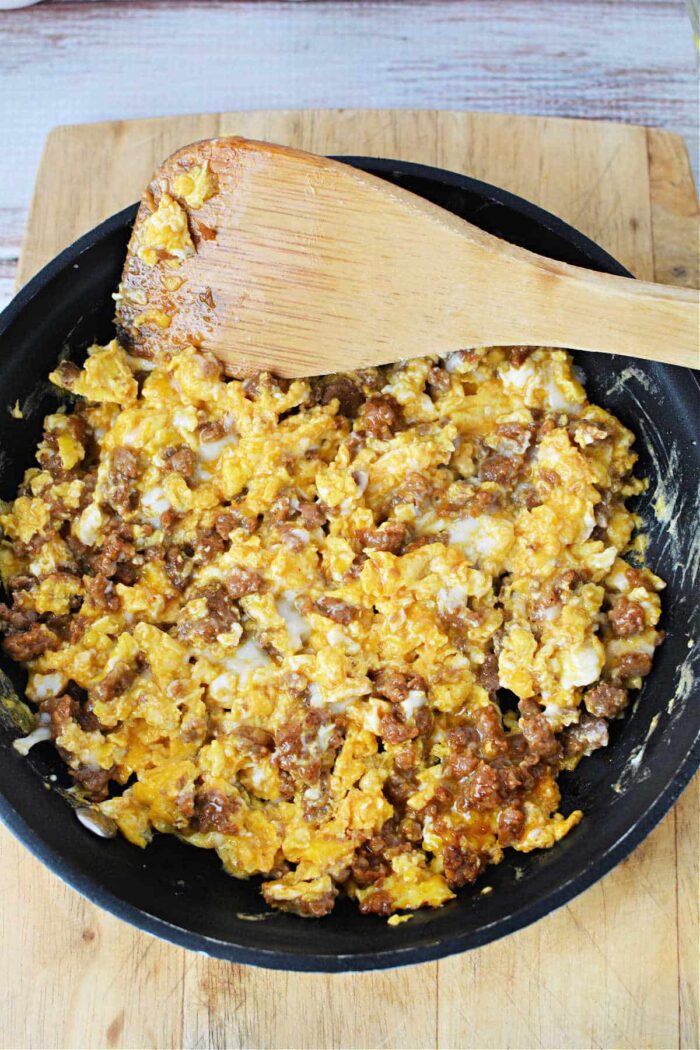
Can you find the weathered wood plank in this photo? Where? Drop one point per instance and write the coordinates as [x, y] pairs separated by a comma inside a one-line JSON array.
[[242, 1007], [73, 976], [687, 820], [73, 62], [675, 213], [600, 972]]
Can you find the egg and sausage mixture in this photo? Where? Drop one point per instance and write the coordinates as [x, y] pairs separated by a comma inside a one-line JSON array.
[[346, 632]]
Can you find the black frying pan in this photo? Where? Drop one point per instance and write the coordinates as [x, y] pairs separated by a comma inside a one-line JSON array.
[[182, 893]]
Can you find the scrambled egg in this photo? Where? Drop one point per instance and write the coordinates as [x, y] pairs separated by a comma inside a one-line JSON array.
[[196, 185], [344, 632], [166, 230]]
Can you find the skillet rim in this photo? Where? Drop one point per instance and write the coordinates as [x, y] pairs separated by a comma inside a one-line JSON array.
[[89, 887]]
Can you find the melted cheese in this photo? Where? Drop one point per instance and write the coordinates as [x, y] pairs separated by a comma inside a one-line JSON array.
[[250, 717]]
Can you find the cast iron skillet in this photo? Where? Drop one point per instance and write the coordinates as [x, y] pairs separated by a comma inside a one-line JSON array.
[[181, 893]]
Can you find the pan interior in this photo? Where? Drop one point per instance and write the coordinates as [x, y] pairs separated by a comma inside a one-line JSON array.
[[182, 893]]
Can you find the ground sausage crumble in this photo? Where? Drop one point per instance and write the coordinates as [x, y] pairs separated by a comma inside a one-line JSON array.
[[345, 632]]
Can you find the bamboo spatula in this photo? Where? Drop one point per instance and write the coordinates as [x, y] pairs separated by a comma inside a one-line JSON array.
[[281, 260]]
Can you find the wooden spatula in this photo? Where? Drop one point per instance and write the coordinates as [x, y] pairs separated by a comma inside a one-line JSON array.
[[280, 260]]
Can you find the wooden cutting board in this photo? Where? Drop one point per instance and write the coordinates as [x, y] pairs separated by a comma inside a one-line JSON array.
[[616, 967]]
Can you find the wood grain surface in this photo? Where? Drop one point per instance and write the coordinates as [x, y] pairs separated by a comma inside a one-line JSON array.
[[69, 62], [616, 967], [391, 276]]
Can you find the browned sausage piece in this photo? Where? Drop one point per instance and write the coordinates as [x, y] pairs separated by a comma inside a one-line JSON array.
[[633, 665], [586, 737], [415, 489], [482, 789], [487, 674], [27, 645], [520, 433], [15, 620], [207, 545], [67, 373], [306, 909], [368, 867], [511, 823], [605, 700], [178, 568], [211, 431], [537, 731], [395, 731], [519, 354], [438, 381], [382, 415], [502, 469], [62, 711], [336, 609], [101, 593], [461, 764], [125, 463], [118, 680], [377, 903], [257, 741], [462, 738], [398, 787], [280, 510], [124, 469], [222, 614], [235, 519], [242, 581], [390, 537], [216, 812], [626, 618], [565, 582], [117, 553], [395, 685], [489, 723], [345, 391], [313, 514], [93, 781], [462, 866], [181, 459]]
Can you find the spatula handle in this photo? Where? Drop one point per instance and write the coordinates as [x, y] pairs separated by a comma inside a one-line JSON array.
[[577, 308]]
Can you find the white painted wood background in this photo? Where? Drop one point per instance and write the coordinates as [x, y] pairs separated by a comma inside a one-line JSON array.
[[87, 60]]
